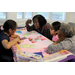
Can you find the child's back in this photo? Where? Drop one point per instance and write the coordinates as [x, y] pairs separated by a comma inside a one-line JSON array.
[[5, 54]]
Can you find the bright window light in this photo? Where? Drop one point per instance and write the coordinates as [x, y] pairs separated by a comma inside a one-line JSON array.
[[45, 14], [60, 16], [28, 15], [2, 15]]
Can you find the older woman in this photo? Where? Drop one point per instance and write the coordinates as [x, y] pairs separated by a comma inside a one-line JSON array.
[[66, 40]]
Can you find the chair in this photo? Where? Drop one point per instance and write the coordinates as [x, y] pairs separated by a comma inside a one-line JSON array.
[[71, 23]]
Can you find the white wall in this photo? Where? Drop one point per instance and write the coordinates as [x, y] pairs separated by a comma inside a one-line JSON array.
[[70, 17]]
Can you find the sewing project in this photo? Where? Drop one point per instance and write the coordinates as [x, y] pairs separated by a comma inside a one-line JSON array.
[[34, 42]]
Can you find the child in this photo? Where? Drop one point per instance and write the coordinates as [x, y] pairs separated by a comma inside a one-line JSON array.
[[66, 40], [6, 54], [54, 30], [40, 25]]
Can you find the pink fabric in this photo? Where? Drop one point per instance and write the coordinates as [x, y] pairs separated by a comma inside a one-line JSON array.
[[55, 38], [14, 49]]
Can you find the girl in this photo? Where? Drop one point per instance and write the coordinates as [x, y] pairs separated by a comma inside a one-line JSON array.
[[40, 25], [6, 54]]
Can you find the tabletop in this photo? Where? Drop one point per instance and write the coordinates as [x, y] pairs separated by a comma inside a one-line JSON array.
[[34, 43]]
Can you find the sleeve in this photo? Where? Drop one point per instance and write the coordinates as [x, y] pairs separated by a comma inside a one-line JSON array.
[[46, 33], [30, 28], [3, 38], [58, 47]]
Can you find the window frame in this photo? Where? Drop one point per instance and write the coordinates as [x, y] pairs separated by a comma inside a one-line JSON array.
[[58, 20], [28, 18], [20, 18], [6, 14]]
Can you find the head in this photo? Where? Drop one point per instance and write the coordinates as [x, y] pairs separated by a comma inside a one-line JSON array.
[[66, 30], [10, 27], [55, 28], [39, 21]]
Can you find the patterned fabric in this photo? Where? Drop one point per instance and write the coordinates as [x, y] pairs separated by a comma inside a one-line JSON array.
[[44, 30], [14, 49]]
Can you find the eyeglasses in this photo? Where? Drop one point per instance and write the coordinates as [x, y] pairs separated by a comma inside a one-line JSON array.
[[51, 28]]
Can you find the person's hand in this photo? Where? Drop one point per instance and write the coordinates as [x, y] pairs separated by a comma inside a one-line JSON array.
[[28, 22], [18, 40], [15, 36]]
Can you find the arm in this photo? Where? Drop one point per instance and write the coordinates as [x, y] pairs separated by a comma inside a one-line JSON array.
[[46, 32], [15, 36], [58, 47], [29, 28], [8, 45]]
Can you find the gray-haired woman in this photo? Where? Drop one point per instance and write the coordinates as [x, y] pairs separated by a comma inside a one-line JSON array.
[[66, 40]]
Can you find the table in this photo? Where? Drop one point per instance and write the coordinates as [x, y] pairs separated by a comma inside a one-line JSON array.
[[35, 42]]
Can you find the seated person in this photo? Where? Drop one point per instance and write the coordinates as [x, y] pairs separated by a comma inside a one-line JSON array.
[[6, 54], [54, 30], [66, 40], [40, 25]]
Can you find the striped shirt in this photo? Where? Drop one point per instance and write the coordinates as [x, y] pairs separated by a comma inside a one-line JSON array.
[[44, 30]]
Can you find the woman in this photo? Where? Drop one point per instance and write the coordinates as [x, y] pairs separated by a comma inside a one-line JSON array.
[[40, 25], [66, 40]]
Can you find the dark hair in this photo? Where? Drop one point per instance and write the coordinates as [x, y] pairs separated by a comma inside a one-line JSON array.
[[41, 19], [9, 24], [56, 25]]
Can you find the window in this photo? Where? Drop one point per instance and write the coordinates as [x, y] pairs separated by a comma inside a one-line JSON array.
[[2, 15], [45, 14], [60, 16], [28, 15], [19, 15]]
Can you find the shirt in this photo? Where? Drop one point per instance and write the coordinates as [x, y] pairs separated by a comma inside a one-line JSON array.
[[67, 44], [55, 38], [45, 30], [6, 55]]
